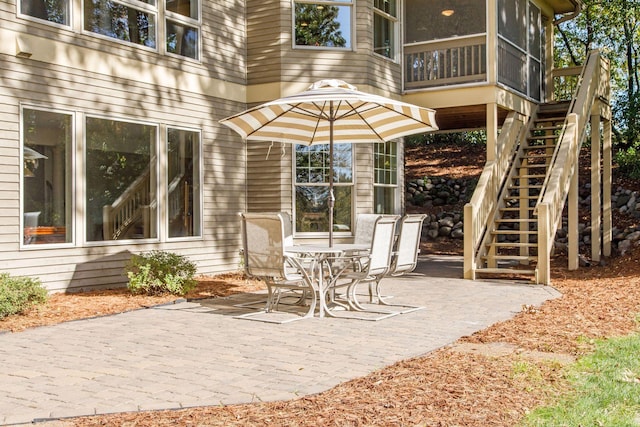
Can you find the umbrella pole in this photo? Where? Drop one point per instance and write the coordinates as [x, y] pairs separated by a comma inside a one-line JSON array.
[[331, 196]]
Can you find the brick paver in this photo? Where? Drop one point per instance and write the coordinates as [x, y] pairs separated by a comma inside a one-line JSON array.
[[197, 354]]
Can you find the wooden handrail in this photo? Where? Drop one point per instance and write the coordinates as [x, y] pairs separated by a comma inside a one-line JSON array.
[[484, 200], [564, 162]]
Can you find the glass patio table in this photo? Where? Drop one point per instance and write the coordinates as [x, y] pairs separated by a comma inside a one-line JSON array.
[[321, 256]]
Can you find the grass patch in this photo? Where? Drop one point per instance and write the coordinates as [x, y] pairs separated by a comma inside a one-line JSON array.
[[606, 389]]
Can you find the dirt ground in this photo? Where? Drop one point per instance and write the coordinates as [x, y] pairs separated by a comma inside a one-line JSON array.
[[493, 377]]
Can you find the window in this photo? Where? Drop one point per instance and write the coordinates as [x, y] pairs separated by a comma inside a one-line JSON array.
[[47, 176], [182, 27], [384, 28], [121, 174], [55, 11], [323, 23], [385, 180], [133, 22], [183, 180], [312, 187]]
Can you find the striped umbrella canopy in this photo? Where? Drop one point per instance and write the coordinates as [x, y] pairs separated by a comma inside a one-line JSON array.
[[331, 111]]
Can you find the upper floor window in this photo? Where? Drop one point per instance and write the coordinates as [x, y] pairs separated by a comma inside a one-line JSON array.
[[130, 21], [323, 23], [56, 11], [182, 27], [385, 18]]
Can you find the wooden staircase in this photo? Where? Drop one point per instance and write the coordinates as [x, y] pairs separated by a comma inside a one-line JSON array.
[[512, 241], [519, 202]]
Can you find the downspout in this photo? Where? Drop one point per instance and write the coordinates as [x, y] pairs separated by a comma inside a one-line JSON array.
[[570, 16]]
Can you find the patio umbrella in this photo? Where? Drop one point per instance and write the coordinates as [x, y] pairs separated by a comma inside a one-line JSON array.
[[329, 112]]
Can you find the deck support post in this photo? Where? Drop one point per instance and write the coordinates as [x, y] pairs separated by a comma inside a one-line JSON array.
[[596, 205], [607, 222], [573, 219]]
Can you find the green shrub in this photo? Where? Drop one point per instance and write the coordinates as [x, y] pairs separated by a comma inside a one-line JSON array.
[[629, 162], [19, 293], [159, 272]]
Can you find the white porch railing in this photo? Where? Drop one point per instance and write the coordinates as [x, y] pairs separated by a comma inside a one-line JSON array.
[[442, 63]]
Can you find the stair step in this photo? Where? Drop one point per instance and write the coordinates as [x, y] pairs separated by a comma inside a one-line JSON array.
[[506, 271], [530, 176], [516, 209], [538, 147], [546, 128], [516, 198], [513, 232], [551, 119], [533, 165], [525, 187], [515, 220], [510, 257], [513, 245], [535, 138], [537, 156]]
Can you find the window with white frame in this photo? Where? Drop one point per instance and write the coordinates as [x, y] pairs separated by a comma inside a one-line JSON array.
[[47, 183], [55, 11], [312, 187], [182, 27], [183, 183], [385, 20], [385, 179], [130, 21], [137, 21], [325, 24], [121, 180]]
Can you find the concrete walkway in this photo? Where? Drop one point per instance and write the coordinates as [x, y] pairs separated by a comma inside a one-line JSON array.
[[197, 354]]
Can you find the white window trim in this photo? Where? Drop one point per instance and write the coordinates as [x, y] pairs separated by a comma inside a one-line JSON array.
[[396, 32], [73, 177], [159, 189], [322, 234], [164, 185], [352, 19]]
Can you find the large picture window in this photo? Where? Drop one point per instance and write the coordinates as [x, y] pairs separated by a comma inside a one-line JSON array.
[[385, 182], [385, 18], [55, 11], [183, 192], [312, 187], [121, 177], [47, 148], [323, 23]]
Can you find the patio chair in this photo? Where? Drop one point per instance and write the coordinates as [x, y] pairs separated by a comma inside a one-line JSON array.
[[404, 259], [264, 240], [368, 269], [364, 228]]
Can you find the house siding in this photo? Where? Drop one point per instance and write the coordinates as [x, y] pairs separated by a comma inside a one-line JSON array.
[[94, 76]]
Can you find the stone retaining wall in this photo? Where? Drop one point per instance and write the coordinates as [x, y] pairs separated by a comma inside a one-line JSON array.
[[430, 193]]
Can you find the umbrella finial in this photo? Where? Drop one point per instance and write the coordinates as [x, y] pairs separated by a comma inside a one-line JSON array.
[[331, 83]]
